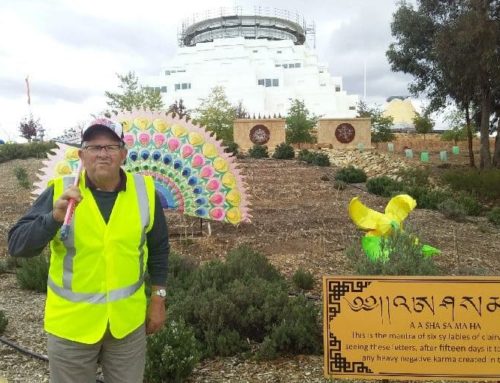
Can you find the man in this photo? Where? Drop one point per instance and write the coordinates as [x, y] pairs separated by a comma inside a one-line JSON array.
[[96, 304]]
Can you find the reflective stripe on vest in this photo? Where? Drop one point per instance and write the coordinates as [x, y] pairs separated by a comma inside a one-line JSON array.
[[66, 291]]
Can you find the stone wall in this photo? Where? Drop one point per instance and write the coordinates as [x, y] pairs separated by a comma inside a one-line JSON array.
[[269, 132], [345, 133]]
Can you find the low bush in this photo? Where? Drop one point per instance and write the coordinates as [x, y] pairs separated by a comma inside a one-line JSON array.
[[284, 151], [231, 147], [404, 257], [305, 155], [258, 151], [321, 159], [20, 151], [470, 204], [426, 198], [303, 279], [172, 354], [383, 186], [22, 177], [414, 177], [33, 273], [3, 322], [351, 175], [452, 209], [314, 158], [239, 302], [494, 216], [483, 184], [339, 185]]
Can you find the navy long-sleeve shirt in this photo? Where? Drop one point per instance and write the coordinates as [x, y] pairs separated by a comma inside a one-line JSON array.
[[29, 236]]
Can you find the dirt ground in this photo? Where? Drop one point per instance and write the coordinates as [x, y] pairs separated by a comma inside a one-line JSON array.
[[299, 220]]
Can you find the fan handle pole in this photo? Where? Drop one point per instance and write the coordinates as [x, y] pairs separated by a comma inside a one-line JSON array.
[[71, 208]]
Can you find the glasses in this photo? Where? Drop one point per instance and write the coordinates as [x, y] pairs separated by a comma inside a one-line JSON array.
[[96, 149]]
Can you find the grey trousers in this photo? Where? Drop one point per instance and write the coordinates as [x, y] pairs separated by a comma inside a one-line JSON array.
[[122, 360]]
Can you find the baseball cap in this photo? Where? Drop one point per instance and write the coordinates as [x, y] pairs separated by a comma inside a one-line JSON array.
[[103, 123]]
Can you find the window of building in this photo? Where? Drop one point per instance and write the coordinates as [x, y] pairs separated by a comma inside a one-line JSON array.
[[285, 65], [268, 82], [337, 88], [297, 65], [163, 89], [177, 86], [277, 65], [322, 84], [167, 73], [352, 108], [278, 52], [255, 51]]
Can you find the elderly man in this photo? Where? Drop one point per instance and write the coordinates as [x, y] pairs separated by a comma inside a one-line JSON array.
[[96, 304]]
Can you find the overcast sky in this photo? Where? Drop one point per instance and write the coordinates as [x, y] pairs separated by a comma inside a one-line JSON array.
[[72, 49]]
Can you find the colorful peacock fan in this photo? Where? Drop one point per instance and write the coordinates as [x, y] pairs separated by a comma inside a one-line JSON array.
[[193, 175]]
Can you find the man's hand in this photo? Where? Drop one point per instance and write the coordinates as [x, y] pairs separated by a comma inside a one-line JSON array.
[[156, 315], [61, 205]]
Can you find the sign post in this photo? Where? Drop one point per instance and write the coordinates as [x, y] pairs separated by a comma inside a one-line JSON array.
[[409, 328]]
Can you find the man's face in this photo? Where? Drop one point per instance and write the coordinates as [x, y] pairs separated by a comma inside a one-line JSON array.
[[102, 163]]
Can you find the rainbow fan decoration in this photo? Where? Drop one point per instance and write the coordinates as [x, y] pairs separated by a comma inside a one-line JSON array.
[[193, 175]]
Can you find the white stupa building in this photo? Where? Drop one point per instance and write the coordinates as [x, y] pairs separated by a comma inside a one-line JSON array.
[[260, 57]]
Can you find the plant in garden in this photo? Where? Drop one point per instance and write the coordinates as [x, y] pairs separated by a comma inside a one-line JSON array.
[[284, 151], [171, 354], [33, 273], [303, 279], [3, 322], [351, 175], [494, 216], [22, 177], [258, 151]]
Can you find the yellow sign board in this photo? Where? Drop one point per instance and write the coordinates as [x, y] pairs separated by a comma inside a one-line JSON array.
[[412, 327]]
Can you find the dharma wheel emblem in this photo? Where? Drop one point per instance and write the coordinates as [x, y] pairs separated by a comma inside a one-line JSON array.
[[345, 133], [259, 134]]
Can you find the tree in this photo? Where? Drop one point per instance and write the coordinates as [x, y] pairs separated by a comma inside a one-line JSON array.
[[217, 114], [133, 95], [381, 126], [423, 123], [29, 128], [452, 50], [178, 108], [299, 123], [240, 111]]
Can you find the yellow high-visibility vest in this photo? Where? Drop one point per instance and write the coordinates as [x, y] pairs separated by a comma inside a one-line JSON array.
[[96, 276]]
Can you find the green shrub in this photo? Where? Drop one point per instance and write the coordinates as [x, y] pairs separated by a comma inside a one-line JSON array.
[[404, 258], [383, 186], [494, 216], [20, 151], [483, 184], [3, 322], [351, 175], [314, 158], [284, 151], [426, 198], [452, 209], [239, 302], [297, 332], [231, 147], [22, 177], [305, 155], [320, 159], [33, 273], [172, 354], [258, 151], [470, 204], [303, 279], [414, 177], [339, 185]]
